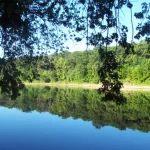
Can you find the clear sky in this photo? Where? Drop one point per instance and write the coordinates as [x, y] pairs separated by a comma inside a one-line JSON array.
[[125, 18]]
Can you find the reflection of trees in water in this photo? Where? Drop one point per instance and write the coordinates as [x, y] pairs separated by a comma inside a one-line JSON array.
[[87, 105], [111, 95]]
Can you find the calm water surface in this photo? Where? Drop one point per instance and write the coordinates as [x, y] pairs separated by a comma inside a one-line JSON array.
[[33, 123]]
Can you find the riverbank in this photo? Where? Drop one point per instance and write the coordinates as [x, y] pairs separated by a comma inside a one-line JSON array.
[[126, 87]]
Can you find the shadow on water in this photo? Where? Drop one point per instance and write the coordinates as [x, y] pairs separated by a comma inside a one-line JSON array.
[[118, 98], [87, 105]]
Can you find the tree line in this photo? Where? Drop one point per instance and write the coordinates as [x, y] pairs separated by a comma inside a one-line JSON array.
[[83, 66]]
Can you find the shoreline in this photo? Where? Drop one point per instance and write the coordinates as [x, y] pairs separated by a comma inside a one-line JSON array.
[[91, 86]]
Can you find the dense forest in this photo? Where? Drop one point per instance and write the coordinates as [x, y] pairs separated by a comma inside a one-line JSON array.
[[31, 28], [85, 104], [83, 66]]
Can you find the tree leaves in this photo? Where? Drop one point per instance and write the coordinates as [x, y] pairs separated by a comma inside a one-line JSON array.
[[143, 28], [35, 27]]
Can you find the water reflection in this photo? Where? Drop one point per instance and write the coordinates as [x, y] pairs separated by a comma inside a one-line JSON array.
[[44, 131], [87, 105]]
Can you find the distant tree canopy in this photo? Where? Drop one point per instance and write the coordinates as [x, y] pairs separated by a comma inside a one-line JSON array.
[[74, 67]]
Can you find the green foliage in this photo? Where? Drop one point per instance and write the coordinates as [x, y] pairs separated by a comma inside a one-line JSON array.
[[88, 67], [9, 77], [31, 27], [108, 71], [136, 66]]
